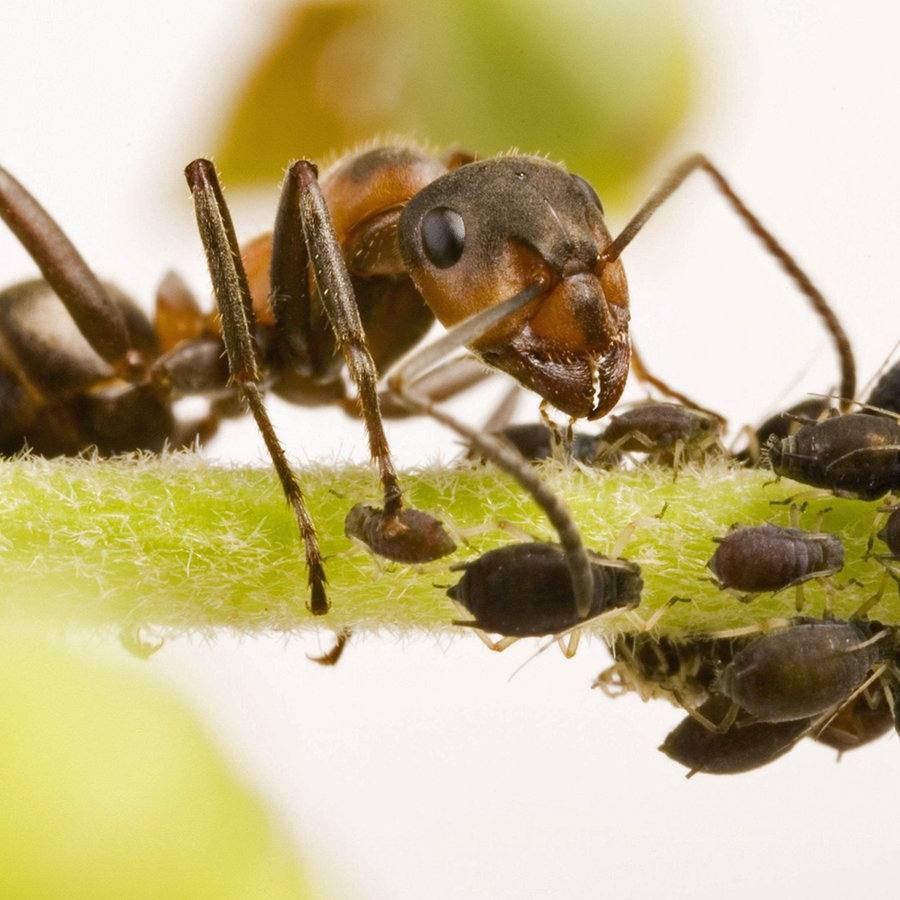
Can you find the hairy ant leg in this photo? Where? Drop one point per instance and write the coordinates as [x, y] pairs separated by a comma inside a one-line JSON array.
[[305, 239], [304, 235], [75, 352], [100, 321], [404, 535], [233, 299]]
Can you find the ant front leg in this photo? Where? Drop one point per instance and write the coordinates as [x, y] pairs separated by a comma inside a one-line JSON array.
[[236, 311], [305, 237], [403, 384]]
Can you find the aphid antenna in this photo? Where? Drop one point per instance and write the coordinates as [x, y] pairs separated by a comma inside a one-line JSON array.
[[775, 624], [861, 404]]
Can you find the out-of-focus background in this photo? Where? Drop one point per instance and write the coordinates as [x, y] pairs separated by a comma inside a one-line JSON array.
[[416, 768]]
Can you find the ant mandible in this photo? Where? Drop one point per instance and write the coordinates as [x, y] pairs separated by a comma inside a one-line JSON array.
[[512, 252]]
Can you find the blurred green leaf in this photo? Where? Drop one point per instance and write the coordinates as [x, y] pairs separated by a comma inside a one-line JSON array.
[[599, 85], [111, 789]]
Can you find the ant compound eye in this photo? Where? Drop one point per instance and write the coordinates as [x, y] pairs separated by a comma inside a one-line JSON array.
[[587, 189], [443, 236]]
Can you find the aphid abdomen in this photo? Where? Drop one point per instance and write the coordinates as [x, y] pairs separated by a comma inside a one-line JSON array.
[[525, 590]]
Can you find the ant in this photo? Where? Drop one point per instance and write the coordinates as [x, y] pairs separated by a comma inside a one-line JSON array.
[[512, 253]]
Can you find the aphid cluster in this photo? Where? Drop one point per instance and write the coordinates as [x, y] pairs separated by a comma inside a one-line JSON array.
[[750, 699]]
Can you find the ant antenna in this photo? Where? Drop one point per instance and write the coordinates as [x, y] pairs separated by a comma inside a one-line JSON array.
[[662, 193]]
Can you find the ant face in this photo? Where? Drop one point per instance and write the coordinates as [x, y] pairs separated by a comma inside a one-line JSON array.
[[489, 230]]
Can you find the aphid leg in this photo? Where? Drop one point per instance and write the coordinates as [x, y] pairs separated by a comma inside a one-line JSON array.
[[799, 597], [100, 321], [643, 625], [720, 727], [498, 646], [662, 193], [233, 299], [820, 724], [887, 576], [304, 234]]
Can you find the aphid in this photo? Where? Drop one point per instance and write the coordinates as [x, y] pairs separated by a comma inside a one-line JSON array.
[[681, 671], [361, 263], [524, 589], [803, 670], [854, 455], [744, 746], [759, 558], [666, 432], [535, 441], [409, 536], [779, 426]]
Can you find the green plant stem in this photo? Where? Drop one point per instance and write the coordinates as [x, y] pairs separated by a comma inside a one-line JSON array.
[[177, 544]]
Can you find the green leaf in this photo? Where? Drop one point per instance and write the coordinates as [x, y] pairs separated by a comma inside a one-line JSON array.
[[112, 789]]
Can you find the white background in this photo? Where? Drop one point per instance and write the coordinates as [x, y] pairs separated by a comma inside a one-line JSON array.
[[420, 770]]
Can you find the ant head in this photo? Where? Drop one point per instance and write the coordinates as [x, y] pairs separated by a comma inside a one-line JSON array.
[[490, 229]]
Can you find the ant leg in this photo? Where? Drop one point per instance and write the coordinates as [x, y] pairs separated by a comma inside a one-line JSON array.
[[233, 300], [500, 453], [333, 656], [405, 535], [787, 262], [303, 214], [97, 317]]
